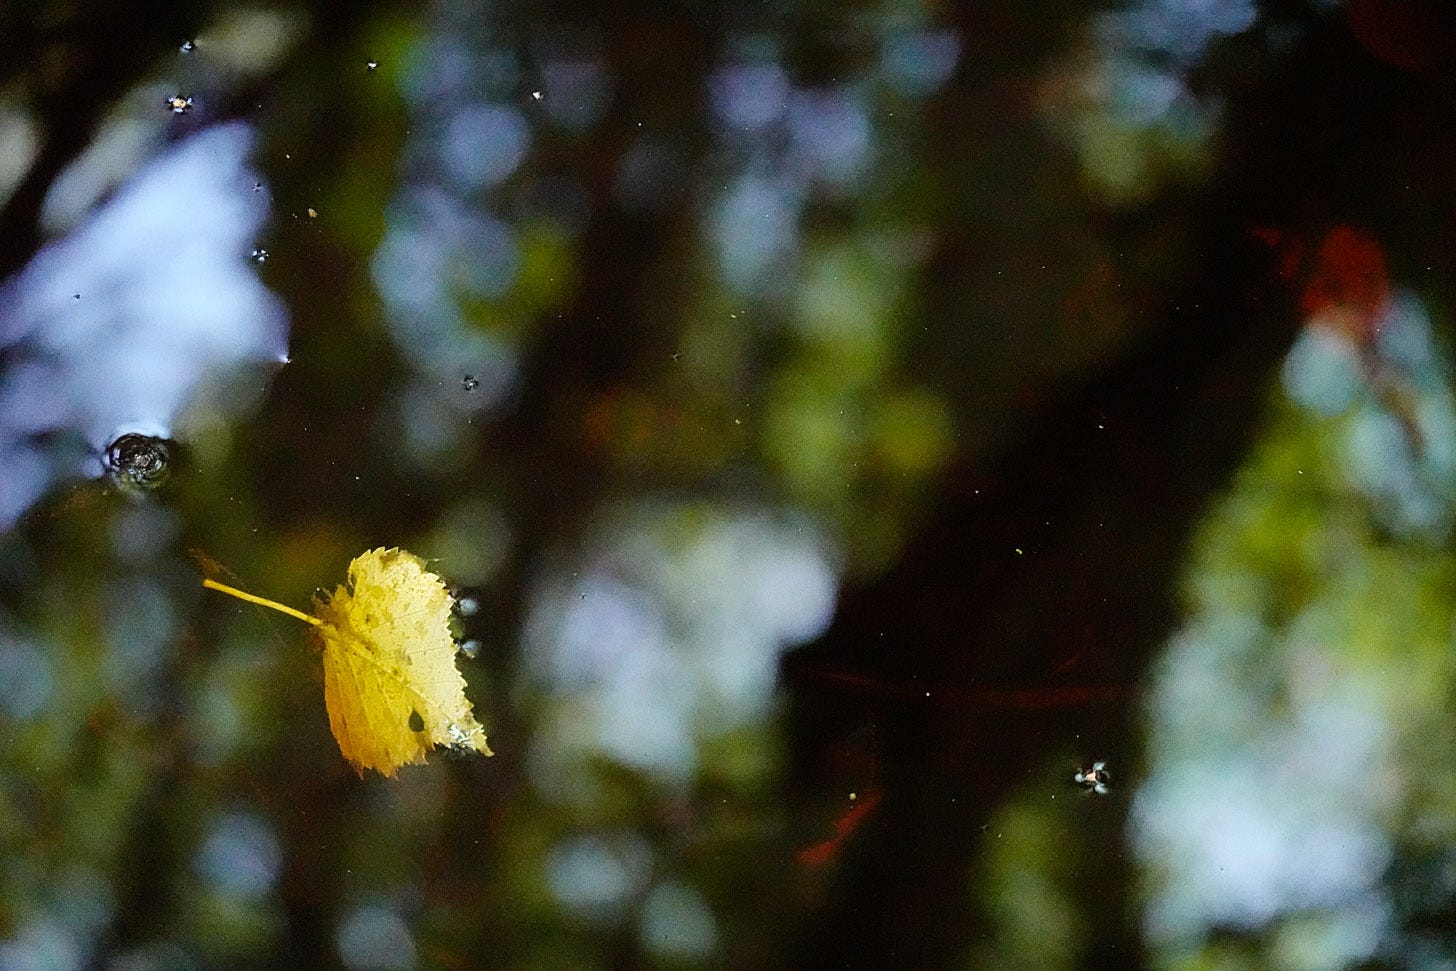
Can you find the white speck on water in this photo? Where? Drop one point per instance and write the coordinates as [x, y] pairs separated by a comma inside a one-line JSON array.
[[260, 256], [187, 46], [371, 65], [535, 95]]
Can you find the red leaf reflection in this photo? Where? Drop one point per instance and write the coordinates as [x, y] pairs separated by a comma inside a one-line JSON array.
[[1348, 285], [844, 827]]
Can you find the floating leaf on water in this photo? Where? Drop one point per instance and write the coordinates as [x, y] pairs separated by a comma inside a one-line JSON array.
[[390, 682]]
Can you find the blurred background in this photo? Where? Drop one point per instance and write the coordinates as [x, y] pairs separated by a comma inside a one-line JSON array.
[[842, 424]]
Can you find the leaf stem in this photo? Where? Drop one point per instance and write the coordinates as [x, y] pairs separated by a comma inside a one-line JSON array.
[[250, 598]]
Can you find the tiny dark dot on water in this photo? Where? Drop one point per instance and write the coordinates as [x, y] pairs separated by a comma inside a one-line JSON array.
[[416, 723], [76, 296]]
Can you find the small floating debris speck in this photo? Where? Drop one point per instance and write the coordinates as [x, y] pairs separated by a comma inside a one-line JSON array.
[[260, 256], [535, 95], [371, 65], [257, 187], [470, 382], [188, 46], [179, 104], [313, 213], [1094, 779]]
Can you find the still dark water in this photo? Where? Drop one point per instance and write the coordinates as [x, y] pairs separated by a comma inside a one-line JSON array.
[[922, 485]]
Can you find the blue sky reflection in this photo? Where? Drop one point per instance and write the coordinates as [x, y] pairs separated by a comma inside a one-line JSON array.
[[673, 633], [117, 326]]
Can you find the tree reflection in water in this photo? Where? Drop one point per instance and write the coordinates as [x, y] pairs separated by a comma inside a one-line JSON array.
[[850, 423]]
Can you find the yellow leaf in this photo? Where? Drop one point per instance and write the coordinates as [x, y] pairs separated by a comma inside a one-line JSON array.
[[390, 682]]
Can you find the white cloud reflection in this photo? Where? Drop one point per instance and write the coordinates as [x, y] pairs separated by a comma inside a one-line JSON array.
[[1262, 805], [115, 327], [672, 635]]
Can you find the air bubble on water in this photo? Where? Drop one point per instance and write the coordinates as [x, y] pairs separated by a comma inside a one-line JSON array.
[[470, 648], [461, 736], [188, 46], [470, 382], [371, 65], [259, 256], [467, 606], [137, 461]]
